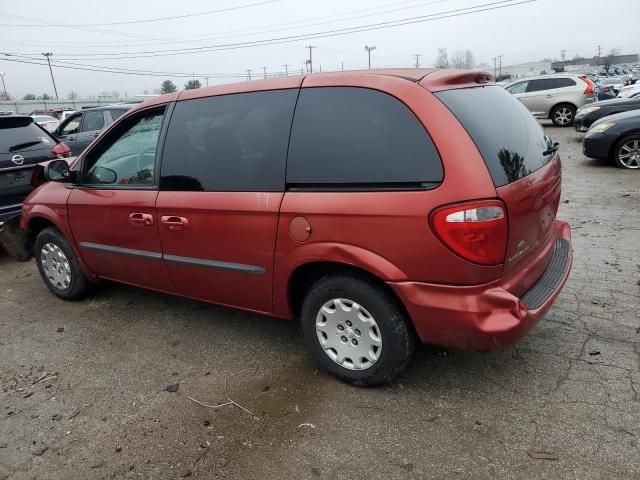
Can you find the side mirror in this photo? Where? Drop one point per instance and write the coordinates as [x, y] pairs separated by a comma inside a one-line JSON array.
[[57, 171], [103, 175]]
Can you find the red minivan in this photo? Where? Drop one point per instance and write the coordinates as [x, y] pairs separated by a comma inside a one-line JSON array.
[[378, 208]]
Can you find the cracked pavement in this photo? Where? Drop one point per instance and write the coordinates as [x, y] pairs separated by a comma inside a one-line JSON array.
[[90, 402]]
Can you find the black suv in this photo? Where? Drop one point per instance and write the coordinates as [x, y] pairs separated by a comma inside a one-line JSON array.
[[23, 144], [78, 130]]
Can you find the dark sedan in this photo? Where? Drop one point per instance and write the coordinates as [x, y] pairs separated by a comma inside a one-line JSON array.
[[615, 138], [588, 114]]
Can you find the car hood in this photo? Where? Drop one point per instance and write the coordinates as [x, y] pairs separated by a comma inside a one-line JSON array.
[[619, 102], [632, 117]]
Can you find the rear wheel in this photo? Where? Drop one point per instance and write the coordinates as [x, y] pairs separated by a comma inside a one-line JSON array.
[[626, 154], [59, 266], [356, 330], [563, 115]]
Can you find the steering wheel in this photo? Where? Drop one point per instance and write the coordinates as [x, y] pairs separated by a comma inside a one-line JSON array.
[[140, 166]]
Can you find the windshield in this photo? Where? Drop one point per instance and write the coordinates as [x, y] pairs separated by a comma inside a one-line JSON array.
[[509, 138]]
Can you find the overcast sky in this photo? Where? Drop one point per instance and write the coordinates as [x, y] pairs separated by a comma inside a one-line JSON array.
[[521, 33]]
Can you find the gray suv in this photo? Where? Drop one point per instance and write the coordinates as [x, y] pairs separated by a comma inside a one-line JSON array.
[[556, 97]]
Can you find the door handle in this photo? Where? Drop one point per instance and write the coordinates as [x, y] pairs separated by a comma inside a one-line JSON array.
[[173, 222], [141, 219], [549, 96]]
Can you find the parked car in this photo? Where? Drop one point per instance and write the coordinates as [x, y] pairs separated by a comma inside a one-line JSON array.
[[556, 97], [605, 92], [51, 112], [587, 115], [23, 144], [615, 138], [629, 91], [46, 122], [80, 128], [340, 215], [66, 114], [614, 82]]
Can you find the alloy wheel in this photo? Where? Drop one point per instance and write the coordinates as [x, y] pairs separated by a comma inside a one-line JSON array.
[[629, 154], [563, 116]]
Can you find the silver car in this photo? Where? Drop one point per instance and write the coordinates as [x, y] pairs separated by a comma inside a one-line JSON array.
[[556, 97]]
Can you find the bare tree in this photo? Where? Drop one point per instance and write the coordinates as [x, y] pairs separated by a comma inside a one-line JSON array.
[[463, 59], [442, 60], [608, 60]]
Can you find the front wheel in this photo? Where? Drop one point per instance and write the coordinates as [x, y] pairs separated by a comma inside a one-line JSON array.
[[626, 154], [562, 115], [59, 266], [356, 330]]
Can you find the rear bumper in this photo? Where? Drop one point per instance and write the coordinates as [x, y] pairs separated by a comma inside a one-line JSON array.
[[485, 317], [9, 211]]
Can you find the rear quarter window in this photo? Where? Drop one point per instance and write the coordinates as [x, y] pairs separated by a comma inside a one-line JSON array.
[[357, 137], [508, 137]]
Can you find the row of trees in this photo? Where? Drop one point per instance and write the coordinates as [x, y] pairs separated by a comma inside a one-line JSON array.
[[462, 59], [169, 87]]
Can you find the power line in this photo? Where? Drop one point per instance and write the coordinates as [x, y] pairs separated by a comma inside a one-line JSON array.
[[490, 6], [149, 20], [251, 31]]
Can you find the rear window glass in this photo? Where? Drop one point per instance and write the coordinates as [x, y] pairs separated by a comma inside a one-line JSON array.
[[508, 137], [17, 133], [344, 136]]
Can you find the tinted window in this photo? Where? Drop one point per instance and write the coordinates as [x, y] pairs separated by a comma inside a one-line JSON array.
[[564, 82], [127, 155], [17, 134], [350, 136], [115, 114], [541, 84], [510, 140], [229, 143], [93, 121]]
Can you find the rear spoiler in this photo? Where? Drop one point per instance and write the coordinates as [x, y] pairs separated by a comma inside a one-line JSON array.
[[446, 79]]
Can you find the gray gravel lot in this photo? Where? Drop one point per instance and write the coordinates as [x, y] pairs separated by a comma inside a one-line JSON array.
[[89, 401]]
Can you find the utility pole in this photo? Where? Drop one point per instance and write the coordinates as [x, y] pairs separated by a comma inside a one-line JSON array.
[[417, 55], [264, 69], [286, 69], [599, 52], [4, 87], [342, 66], [562, 55], [206, 79], [495, 68], [499, 57], [368, 49], [48, 54], [310, 61], [248, 74]]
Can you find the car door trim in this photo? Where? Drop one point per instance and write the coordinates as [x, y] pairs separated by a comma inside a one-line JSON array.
[[122, 251], [200, 262]]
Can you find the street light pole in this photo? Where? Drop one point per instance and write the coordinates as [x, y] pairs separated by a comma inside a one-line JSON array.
[[369, 49], [51, 71]]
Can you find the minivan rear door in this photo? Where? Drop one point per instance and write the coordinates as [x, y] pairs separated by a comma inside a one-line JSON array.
[[222, 183], [525, 172]]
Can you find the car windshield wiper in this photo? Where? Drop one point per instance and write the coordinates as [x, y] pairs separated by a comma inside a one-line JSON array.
[[20, 146], [551, 148]]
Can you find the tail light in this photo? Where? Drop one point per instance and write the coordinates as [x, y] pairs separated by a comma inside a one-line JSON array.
[[475, 231], [61, 150], [604, 89], [591, 87]]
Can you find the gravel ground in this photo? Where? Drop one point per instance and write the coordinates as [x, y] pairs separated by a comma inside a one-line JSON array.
[[83, 386]]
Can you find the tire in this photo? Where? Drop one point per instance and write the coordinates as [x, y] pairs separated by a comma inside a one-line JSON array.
[[390, 342], [629, 148], [59, 266], [562, 115]]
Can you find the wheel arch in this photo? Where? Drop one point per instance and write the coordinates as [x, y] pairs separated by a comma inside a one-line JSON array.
[[614, 145], [557, 105]]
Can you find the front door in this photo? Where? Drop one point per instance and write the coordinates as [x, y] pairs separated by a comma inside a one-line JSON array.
[[93, 122], [222, 182], [68, 132], [112, 212]]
